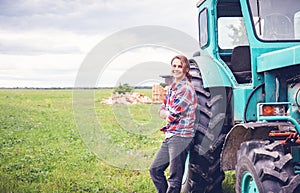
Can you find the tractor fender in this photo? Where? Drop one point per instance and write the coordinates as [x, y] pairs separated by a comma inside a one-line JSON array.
[[245, 132], [213, 74]]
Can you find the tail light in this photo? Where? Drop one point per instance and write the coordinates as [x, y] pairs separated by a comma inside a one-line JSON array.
[[275, 109]]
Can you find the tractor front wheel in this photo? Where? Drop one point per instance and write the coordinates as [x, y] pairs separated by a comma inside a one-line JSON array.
[[264, 167]]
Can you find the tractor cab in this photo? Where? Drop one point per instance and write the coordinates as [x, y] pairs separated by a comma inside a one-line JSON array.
[[245, 28]]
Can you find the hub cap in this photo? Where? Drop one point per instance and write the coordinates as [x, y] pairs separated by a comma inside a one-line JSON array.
[[248, 184]]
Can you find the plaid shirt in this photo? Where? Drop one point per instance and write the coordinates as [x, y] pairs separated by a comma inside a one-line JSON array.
[[181, 103]]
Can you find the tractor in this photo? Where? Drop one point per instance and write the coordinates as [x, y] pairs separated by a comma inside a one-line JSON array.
[[246, 74]]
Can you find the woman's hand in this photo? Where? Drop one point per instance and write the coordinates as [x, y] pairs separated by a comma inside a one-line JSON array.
[[163, 114]]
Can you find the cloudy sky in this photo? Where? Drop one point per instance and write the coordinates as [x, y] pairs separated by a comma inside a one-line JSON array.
[[43, 43]]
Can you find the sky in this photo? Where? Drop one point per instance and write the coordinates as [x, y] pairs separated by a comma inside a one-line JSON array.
[[45, 43]]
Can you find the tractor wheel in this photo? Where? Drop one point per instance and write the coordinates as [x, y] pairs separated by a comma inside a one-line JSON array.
[[263, 167], [204, 172]]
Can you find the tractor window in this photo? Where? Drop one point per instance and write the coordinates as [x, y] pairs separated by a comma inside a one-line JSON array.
[[297, 25], [231, 32], [276, 20], [203, 28]]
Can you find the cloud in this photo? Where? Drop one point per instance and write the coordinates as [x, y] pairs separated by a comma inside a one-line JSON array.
[[36, 26], [36, 15], [45, 42], [92, 16], [47, 70], [39, 39], [141, 63]]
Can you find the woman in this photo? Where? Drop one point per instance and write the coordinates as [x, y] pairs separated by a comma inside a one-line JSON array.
[[179, 112]]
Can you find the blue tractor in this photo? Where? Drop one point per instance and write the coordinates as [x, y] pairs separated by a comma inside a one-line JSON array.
[[247, 79]]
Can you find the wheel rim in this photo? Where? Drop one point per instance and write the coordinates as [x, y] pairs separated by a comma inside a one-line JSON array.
[[248, 184]]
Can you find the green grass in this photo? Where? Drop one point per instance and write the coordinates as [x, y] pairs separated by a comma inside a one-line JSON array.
[[43, 150]]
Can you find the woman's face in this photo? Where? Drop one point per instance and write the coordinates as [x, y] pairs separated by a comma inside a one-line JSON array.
[[177, 70]]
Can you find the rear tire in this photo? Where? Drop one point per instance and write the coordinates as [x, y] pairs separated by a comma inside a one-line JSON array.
[[204, 171], [263, 167]]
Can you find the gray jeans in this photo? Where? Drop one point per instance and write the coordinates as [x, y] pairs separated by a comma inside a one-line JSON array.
[[173, 152]]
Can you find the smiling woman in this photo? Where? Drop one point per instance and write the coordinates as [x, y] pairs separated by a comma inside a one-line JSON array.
[[178, 109]]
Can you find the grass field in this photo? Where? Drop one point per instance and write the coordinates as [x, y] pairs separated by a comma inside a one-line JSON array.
[[44, 148]]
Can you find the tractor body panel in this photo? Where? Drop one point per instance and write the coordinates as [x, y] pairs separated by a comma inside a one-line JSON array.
[[212, 72], [279, 59], [240, 96]]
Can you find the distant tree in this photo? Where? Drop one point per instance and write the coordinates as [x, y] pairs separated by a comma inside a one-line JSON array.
[[163, 84], [239, 36], [123, 88]]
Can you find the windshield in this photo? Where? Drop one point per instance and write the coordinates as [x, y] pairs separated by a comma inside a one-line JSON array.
[[276, 20]]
